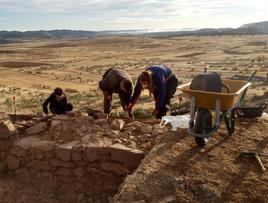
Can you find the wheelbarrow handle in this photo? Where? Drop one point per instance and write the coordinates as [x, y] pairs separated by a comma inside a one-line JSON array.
[[250, 78], [263, 105]]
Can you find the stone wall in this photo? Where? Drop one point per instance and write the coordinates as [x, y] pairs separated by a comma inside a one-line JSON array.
[[83, 172], [8, 135]]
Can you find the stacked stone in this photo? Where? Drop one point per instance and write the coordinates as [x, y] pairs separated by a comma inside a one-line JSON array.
[[94, 171], [7, 136]]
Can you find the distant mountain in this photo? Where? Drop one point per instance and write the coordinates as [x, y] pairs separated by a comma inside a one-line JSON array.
[[261, 26], [46, 34], [243, 30], [247, 29]]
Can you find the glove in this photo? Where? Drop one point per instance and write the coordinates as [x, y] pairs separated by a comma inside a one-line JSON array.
[[155, 112], [129, 108]]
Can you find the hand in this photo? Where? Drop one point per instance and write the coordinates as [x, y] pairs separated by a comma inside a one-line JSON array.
[[155, 112], [109, 97]]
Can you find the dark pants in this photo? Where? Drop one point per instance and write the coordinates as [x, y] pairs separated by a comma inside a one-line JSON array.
[[124, 100], [171, 88], [61, 109]]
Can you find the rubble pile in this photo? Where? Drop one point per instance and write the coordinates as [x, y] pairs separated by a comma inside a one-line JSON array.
[[87, 130]]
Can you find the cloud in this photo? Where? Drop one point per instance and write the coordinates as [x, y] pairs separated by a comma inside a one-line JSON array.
[[150, 13]]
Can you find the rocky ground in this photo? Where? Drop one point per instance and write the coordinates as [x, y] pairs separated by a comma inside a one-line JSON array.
[[174, 170], [177, 170]]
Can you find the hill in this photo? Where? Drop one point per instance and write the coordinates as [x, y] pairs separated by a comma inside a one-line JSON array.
[[261, 26], [247, 29]]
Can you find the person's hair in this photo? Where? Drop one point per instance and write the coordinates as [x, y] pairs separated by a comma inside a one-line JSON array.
[[58, 91], [145, 76], [126, 85]]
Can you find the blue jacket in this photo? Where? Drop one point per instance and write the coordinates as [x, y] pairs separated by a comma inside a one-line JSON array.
[[159, 77]]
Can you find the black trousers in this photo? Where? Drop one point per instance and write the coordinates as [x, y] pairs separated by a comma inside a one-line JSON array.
[[171, 88], [61, 109]]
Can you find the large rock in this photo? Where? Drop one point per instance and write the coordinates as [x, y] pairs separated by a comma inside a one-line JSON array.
[[6, 128], [115, 168], [37, 145], [147, 129], [117, 124], [97, 153], [37, 128], [136, 125], [64, 151], [128, 156]]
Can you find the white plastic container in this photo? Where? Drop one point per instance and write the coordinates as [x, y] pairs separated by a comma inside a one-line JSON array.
[[180, 121]]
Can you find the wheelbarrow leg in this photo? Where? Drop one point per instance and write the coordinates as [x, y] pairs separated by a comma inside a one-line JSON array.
[[192, 113], [230, 122]]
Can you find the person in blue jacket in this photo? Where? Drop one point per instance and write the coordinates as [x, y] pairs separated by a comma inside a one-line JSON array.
[[161, 82]]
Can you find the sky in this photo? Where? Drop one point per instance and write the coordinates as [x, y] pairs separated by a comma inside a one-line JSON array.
[[22, 15]]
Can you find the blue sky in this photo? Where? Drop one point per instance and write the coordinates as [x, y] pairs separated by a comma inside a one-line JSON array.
[[129, 14]]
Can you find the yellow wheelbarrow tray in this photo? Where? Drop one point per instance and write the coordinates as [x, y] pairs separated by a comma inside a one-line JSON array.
[[222, 103]]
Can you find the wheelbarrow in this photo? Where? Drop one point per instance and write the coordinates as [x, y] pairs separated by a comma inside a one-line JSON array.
[[223, 104]]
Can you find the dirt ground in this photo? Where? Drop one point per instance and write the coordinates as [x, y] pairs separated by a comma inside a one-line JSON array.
[[177, 170], [30, 70]]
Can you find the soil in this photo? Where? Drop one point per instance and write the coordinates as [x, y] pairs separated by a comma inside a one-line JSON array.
[[177, 170]]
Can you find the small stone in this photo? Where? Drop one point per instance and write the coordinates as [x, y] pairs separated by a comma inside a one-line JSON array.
[[81, 197], [130, 129], [84, 128], [96, 114], [117, 141], [6, 129], [12, 162], [136, 124], [79, 172], [117, 124], [56, 162], [63, 171], [101, 121], [76, 156], [74, 114], [159, 129], [39, 127], [36, 164], [106, 126], [146, 129], [131, 144], [23, 175]]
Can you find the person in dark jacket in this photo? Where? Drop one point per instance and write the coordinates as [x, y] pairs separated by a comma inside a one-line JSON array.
[[57, 102], [161, 82], [116, 81]]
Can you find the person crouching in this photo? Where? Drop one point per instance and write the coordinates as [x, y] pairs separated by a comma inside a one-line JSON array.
[[57, 102]]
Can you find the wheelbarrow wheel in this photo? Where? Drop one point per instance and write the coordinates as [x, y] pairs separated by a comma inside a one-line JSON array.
[[203, 125]]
